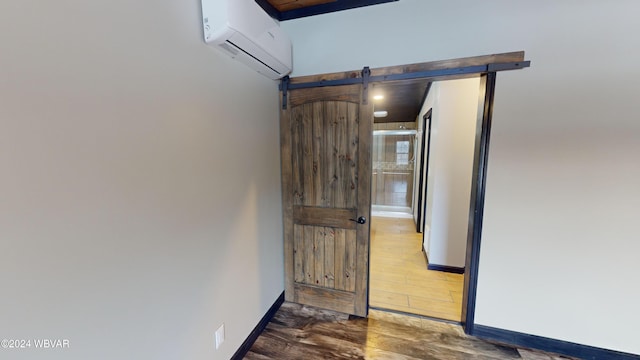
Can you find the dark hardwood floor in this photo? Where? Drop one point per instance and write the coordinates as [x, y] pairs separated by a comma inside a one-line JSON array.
[[304, 332]]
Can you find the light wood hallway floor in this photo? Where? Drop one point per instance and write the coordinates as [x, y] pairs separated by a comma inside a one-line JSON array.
[[399, 279]]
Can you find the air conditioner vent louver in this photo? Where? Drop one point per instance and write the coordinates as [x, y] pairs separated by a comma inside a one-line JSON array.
[[229, 48], [233, 47]]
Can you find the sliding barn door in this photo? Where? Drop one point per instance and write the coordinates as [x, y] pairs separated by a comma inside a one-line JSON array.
[[326, 136]]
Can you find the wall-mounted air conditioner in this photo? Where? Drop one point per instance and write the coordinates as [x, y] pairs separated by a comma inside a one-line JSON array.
[[244, 31]]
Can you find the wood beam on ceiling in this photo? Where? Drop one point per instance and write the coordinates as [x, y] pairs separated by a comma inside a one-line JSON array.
[[303, 8], [286, 5]]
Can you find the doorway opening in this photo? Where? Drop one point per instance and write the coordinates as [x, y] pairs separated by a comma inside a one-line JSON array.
[[418, 264], [315, 111]]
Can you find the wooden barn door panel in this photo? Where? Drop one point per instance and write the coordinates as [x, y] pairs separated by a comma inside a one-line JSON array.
[[326, 136]]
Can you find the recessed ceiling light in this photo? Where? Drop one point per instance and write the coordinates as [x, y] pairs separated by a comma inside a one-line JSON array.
[[379, 114], [378, 97]]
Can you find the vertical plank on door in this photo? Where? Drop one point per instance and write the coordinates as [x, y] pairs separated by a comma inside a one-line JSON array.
[[339, 150], [298, 253], [351, 156], [297, 156], [318, 154], [330, 153], [309, 261], [307, 158], [318, 254], [339, 259], [350, 260], [329, 253]]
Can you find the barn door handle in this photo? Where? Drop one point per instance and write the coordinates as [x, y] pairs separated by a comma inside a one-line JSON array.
[[361, 220]]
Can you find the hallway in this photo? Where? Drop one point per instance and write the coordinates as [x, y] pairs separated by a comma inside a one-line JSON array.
[[399, 279]]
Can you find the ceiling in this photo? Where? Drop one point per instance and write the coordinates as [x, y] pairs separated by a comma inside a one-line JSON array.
[[402, 99], [292, 9]]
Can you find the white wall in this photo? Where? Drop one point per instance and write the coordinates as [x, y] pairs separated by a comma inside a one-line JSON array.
[[559, 246], [139, 183], [453, 130]]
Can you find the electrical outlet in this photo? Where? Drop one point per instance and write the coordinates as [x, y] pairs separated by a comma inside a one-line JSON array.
[[219, 336]]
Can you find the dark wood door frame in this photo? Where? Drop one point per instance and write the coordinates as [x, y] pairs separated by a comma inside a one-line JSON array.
[[479, 176], [484, 66], [423, 181]]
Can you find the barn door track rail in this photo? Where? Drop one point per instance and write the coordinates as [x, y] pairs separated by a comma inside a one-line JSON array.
[[365, 77]]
